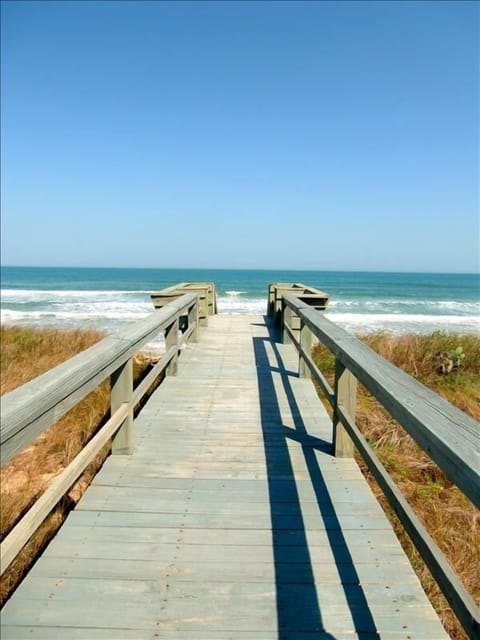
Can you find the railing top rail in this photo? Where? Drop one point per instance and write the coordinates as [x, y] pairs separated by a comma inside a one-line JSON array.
[[449, 436], [28, 410], [173, 287], [281, 287], [187, 286]]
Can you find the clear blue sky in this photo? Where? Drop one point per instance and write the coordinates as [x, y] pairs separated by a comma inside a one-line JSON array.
[[316, 135]]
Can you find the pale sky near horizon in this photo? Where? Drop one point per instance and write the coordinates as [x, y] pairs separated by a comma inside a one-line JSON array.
[[282, 135]]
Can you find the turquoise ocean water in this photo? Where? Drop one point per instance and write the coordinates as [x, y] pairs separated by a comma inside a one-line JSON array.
[[360, 302]]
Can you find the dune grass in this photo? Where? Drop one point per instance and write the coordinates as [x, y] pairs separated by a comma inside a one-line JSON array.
[[26, 353], [449, 517]]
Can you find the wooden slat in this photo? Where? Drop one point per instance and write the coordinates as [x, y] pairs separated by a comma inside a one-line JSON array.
[[244, 606], [94, 633]]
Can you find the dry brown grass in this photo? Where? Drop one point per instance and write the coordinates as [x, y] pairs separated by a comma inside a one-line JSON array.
[[451, 520], [25, 354]]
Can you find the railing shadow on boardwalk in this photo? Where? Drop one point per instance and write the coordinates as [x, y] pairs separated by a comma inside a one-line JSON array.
[[298, 607]]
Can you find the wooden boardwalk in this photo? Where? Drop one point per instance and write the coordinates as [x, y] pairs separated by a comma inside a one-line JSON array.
[[231, 520]]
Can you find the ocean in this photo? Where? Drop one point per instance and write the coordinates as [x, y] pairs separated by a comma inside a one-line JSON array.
[[109, 299]]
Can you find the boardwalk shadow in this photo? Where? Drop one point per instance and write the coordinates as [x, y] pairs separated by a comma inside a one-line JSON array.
[[299, 606]]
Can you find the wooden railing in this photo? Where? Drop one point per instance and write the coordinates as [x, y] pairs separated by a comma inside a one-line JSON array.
[[31, 409], [446, 434], [311, 296], [207, 299]]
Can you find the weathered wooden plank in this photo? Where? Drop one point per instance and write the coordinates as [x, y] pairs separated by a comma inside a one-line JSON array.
[[152, 500], [237, 606], [262, 497], [72, 633], [226, 571], [338, 557], [78, 531], [234, 520], [227, 471]]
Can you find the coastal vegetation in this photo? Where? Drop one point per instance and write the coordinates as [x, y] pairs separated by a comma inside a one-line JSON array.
[[450, 519]]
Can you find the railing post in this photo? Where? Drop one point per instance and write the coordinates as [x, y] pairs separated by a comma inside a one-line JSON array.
[[271, 302], [278, 305], [193, 320], [121, 390], [345, 397], [171, 340], [286, 320], [306, 345], [203, 306]]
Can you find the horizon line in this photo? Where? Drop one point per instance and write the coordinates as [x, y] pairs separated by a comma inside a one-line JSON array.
[[265, 269]]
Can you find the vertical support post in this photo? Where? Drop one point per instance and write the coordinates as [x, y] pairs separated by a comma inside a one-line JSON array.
[[306, 345], [345, 397], [295, 324], [286, 321], [171, 340], [203, 306], [271, 309], [121, 390], [193, 319], [278, 306]]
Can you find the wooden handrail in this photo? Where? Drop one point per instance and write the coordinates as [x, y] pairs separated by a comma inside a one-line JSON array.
[[31, 409], [449, 436], [207, 299], [446, 434]]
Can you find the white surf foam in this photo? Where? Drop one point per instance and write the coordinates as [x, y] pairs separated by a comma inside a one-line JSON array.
[[404, 323], [41, 294], [111, 310]]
